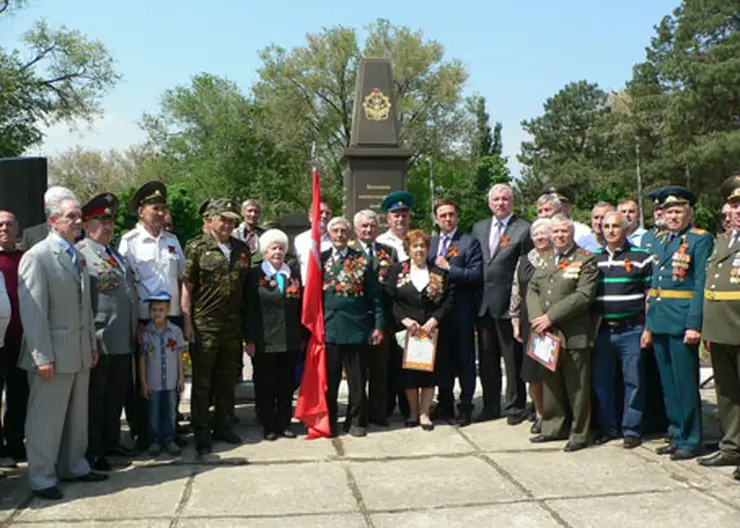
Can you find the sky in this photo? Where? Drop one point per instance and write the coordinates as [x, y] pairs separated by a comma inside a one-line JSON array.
[[518, 53]]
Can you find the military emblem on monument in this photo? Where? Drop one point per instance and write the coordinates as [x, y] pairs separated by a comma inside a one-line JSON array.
[[377, 105]]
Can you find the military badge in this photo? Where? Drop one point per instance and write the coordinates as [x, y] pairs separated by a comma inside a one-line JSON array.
[[384, 265], [345, 279], [377, 105], [681, 262], [171, 249], [452, 252], [244, 259], [293, 290], [171, 344], [735, 275], [435, 288], [403, 276]]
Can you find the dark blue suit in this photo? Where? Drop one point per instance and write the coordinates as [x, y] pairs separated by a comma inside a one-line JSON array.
[[466, 274]]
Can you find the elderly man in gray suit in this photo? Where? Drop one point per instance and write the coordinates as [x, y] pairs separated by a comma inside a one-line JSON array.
[[115, 306], [58, 351], [504, 238], [35, 234]]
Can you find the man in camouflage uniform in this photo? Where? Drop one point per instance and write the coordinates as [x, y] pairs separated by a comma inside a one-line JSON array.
[[212, 303]]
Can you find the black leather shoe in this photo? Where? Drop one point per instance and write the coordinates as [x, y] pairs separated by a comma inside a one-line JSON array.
[[52, 493], [227, 436], [541, 439], [515, 419], [288, 433], [427, 426], [683, 454], [464, 419], [631, 442], [666, 450], [572, 447], [357, 431], [270, 436], [203, 448], [122, 451], [536, 427], [92, 477], [487, 416], [736, 473], [101, 464], [445, 414], [722, 458], [604, 439], [410, 424]]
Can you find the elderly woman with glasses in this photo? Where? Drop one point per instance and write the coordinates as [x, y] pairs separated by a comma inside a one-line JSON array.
[[532, 371], [274, 333]]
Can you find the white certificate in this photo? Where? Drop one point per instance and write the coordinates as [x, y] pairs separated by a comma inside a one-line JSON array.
[[420, 351], [544, 348]]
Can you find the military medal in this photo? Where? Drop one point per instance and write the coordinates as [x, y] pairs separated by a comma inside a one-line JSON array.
[[681, 262], [735, 275], [244, 259], [171, 249]]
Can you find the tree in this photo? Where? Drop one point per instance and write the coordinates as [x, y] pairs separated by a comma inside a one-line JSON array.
[[307, 94], [205, 138]]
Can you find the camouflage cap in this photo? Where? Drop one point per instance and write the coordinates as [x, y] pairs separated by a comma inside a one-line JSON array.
[[222, 207]]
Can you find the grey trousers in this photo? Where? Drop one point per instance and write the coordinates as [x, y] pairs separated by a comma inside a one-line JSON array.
[[56, 428]]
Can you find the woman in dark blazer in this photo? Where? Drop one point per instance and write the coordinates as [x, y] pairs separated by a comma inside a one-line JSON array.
[[532, 371], [274, 333], [421, 297]]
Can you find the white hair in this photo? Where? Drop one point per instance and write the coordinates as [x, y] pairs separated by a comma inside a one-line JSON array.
[[500, 187], [338, 220], [624, 223], [561, 218], [540, 222], [557, 202], [252, 202], [53, 199], [365, 214], [603, 205], [273, 236]]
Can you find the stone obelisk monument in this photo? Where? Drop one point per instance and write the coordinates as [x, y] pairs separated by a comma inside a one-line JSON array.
[[375, 159]]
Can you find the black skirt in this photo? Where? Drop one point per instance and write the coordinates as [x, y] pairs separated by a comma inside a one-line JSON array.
[[418, 379]]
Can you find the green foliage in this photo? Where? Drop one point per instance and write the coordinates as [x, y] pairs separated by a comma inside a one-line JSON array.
[[60, 76]]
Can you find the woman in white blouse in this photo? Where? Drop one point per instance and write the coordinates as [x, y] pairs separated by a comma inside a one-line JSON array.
[[421, 298]]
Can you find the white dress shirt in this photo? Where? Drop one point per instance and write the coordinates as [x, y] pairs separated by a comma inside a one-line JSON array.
[[158, 263], [302, 245], [270, 270], [580, 230], [389, 239], [419, 277], [4, 308]]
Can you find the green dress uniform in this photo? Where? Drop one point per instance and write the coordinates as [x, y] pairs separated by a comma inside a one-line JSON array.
[[564, 291], [219, 283], [721, 330], [352, 310], [675, 304]]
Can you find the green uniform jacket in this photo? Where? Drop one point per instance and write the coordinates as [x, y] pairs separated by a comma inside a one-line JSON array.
[[352, 306], [565, 293], [676, 301], [218, 283], [722, 294]]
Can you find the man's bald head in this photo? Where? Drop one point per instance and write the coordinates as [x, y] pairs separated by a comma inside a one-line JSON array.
[[8, 230]]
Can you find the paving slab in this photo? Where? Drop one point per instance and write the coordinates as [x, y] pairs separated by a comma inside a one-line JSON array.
[[145, 493], [256, 449], [684, 507], [403, 442], [729, 493], [279, 489], [496, 436], [298, 521], [13, 492], [420, 483], [520, 515], [145, 523], [592, 471]]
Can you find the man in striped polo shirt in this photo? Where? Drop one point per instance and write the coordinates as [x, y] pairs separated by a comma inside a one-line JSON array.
[[624, 277]]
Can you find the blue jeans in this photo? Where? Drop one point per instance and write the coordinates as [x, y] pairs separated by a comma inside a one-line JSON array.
[[625, 345], [162, 407]]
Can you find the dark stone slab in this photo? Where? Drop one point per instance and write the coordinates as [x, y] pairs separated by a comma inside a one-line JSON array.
[[22, 186], [376, 160]]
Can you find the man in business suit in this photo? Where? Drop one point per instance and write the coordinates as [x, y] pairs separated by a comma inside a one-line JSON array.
[[353, 318], [382, 258], [559, 301], [115, 307], [720, 328], [35, 234], [460, 254], [58, 351], [674, 319], [504, 238]]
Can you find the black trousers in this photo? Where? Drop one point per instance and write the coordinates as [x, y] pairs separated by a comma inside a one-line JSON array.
[[456, 358], [108, 383], [496, 342], [395, 392], [15, 382], [273, 387], [354, 359], [377, 379]]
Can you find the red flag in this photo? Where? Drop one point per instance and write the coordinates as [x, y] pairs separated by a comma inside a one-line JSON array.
[[311, 408]]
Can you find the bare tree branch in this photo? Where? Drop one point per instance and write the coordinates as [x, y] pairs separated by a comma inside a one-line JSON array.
[[38, 57], [4, 5]]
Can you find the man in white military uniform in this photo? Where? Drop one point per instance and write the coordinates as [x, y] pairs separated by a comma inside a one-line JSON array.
[[58, 351], [158, 262], [396, 206]]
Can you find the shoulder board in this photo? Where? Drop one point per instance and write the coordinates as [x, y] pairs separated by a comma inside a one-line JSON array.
[[639, 249], [661, 233], [698, 231], [130, 234]]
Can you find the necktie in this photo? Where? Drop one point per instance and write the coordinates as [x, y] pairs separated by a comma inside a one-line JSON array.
[[281, 282], [734, 237], [495, 237], [444, 246], [73, 257], [371, 250]]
